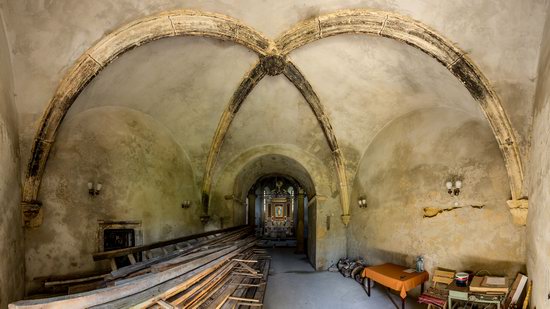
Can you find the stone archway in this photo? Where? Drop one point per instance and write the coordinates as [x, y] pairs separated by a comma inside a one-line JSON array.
[[251, 167]]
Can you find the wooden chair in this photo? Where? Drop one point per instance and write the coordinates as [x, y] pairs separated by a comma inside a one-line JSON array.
[[437, 295]]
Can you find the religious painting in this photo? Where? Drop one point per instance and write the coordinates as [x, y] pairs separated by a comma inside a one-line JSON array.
[[279, 213]]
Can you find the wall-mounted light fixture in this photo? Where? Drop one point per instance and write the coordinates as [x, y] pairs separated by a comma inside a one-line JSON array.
[[94, 189], [362, 201], [186, 204], [453, 187]]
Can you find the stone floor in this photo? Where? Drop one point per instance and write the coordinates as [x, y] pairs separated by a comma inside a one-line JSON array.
[[293, 283]]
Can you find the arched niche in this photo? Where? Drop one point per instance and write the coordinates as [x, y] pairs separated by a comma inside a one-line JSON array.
[[325, 243], [402, 175], [145, 174]]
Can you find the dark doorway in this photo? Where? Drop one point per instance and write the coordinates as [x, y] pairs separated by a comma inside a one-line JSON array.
[[114, 239]]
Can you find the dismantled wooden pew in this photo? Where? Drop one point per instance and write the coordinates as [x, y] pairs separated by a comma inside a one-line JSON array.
[[219, 269]]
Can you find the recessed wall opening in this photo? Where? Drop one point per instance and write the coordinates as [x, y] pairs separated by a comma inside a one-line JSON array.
[[276, 201], [114, 235], [277, 192], [114, 239]]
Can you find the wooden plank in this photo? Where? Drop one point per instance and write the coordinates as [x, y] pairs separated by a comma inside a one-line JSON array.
[[221, 296], [126, 271], [248, 275], [251, 285], [101, 296], [246, 287], [113, 264], [229, 303], [245, 261], [259, 292], [69, 277], [244, 299], [132, 258], [250, 269], [180, 260], [165, 305], [183, 297], [149, 296], [74, 281], [250, 304], [123, 252], [84, 287]]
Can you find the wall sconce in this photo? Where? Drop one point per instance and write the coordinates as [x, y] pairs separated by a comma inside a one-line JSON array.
[[453, 188], [362, 201], [94, 189], [186, 204]]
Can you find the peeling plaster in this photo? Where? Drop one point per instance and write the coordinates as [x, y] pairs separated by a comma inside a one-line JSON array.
[[403, 173]]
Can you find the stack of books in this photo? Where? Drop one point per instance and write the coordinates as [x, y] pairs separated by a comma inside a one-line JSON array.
[[489, 285]]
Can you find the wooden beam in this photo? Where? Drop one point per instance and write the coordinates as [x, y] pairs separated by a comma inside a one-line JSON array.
[[89, 299], [122, 252]]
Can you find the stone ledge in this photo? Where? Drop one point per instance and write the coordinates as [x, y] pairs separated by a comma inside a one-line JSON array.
[[32, 213]]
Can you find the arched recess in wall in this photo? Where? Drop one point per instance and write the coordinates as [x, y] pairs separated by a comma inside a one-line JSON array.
[[232, 183], [276, 165], [189, 22], [313, 172], [418, 35]]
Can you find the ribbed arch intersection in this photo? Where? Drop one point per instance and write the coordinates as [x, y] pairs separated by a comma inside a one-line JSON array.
[[273, 60]]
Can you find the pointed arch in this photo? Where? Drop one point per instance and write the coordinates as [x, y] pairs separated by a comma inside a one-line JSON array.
[[273, 62], [91, 62], [420, 36]]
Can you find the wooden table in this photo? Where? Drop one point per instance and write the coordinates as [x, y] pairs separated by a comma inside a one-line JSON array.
[[393, 277]]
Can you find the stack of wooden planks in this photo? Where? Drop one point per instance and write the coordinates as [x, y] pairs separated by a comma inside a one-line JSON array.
[[222, 270]]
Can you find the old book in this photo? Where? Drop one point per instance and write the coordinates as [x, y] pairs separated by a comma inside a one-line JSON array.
[[494, 281], [477, 286]]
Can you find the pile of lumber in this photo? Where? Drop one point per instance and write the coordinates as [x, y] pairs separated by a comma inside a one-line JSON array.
[[221, 270]]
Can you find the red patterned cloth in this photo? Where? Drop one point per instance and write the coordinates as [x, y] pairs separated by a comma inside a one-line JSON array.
[[435, 297]]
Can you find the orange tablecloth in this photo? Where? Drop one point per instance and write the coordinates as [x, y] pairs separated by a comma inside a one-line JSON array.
[[394, 277]]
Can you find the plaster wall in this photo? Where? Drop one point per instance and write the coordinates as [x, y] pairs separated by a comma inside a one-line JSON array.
[[145, 177], [182, 82], [404, 171], [538, 229], [11, 231]]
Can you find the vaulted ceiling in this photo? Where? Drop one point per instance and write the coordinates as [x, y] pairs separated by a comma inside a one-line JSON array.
[[363, 82]]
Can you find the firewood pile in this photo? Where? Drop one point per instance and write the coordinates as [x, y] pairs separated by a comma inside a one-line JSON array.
[[224, 270]]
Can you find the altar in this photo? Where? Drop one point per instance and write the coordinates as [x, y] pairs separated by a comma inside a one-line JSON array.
[[279, 221]]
